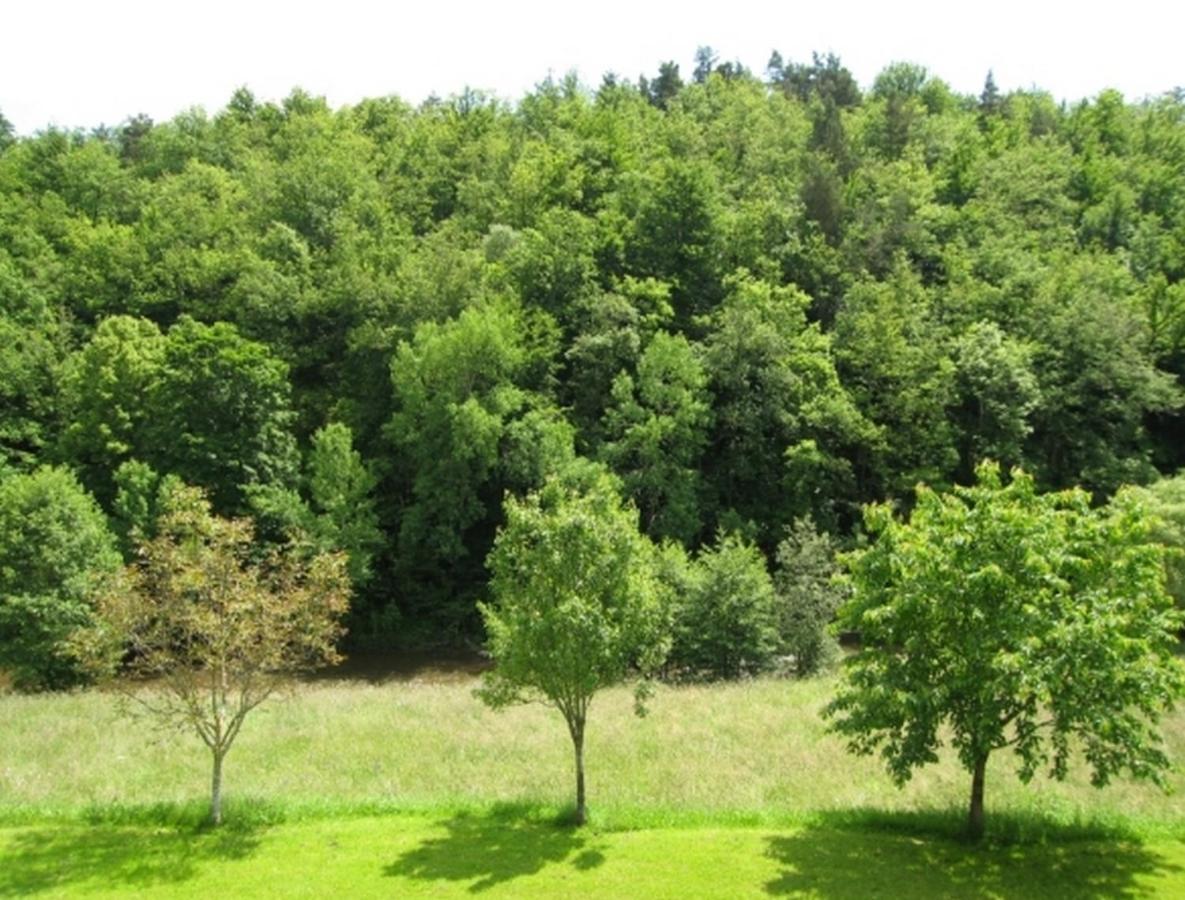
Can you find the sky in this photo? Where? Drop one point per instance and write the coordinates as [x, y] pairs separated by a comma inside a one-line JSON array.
[[82, 63]]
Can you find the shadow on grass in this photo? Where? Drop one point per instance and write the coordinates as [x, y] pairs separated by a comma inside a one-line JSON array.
[[504, 843], [871, 853], [39, 859]]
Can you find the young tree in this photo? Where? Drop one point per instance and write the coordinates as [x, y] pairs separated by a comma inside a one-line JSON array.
[[577, 606], [215, 622], [725, 623], [807, 596], [1013, 619]]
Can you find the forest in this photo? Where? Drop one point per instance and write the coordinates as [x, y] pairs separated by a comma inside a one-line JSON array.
[[758, 301]]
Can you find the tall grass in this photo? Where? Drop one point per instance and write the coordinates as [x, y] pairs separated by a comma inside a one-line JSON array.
[[753, 753]]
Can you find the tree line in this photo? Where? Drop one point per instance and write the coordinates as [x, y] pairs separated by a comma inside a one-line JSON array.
[[760, 302]]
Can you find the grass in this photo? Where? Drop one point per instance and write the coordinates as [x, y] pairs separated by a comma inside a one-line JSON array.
[[414, 789], [508, 852]]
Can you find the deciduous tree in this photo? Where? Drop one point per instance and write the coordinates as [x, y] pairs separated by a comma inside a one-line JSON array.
[[1001, 618], [208, 625], [55, 549], [576, 604]]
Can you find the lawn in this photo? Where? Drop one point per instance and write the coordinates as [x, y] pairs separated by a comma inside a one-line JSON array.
[[413, 788], [506, 852]]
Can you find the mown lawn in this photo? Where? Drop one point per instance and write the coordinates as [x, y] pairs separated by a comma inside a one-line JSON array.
[[507, 854], [409, 788]]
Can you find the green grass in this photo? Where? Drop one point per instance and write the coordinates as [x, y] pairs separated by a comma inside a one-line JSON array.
[[407, 789], [508, 852], [750, 753]]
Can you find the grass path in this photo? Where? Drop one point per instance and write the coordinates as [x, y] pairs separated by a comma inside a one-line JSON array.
[[504, 854]]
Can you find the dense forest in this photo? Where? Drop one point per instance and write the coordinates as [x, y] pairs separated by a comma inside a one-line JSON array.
[[760, 301]]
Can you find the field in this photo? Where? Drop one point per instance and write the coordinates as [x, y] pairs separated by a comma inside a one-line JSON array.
[[411, 787]]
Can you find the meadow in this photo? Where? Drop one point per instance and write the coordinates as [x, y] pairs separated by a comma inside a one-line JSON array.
[[410, 787]]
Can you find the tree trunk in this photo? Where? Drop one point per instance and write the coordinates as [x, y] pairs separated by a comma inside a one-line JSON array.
[[578, 745], [975, 818], [216, 791]]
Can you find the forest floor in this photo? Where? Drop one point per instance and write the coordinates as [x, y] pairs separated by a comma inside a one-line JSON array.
[[405, 785]]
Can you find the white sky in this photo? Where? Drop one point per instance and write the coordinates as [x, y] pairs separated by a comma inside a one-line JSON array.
[[85, 62]]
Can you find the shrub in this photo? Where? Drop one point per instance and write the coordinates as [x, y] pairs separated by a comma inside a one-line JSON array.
[[725, 624]]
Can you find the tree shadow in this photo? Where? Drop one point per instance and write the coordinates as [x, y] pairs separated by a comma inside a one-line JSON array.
[[489, 848], [874, 853], [52, 858]]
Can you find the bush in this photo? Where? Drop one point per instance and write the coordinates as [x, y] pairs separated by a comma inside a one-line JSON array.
[[725, 623], [54, 548]]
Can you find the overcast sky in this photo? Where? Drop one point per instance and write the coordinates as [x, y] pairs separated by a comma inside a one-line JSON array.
[[84, 62]]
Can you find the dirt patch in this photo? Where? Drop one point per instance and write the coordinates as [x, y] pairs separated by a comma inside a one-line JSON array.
[[425, 666]]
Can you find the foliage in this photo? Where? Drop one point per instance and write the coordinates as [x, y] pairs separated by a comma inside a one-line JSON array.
[[726, 619], [657, 429], [55, 552], [215, 622], [576, 606], [1017, 620], [1165, 502], [753, 300], [807, 597]]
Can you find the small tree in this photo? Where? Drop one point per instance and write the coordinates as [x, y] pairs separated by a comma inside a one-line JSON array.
[[725, 619], [216, 622], [1016, 619], [576, 607], [807, 597]]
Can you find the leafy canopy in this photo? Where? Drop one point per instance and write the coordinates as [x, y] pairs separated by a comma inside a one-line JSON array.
[[577, 606], [999, 617], [55, 549]]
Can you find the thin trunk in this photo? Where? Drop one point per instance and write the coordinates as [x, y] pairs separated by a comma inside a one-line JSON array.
[[578, 745], [975, 818], [216, 793]]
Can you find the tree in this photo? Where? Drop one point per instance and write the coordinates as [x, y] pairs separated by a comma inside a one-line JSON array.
[[7, 133], [1007, 618], [705, 63], [989, 98], [785, 427], [55, 549], [665, 86], [1165, 499], [335, 511], [997, 393], [657, 430], [104, 388], [725, 621], [221, 414], [217, 623], [807, 596], [576, 604], [457, 387]]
